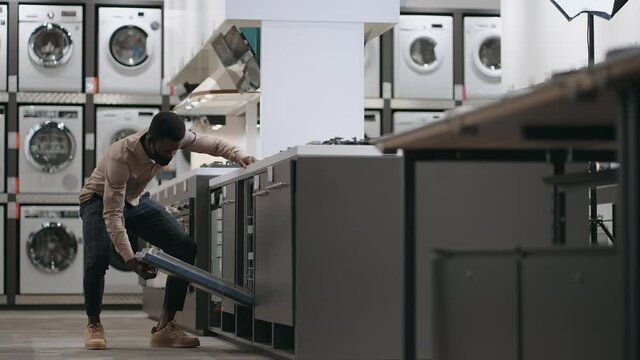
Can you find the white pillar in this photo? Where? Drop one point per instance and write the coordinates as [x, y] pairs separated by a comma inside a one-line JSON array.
[[251, 127], [312, 76]]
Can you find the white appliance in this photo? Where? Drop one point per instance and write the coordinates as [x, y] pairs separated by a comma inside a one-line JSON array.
[[372, 69], [51, 252], [130, 50], [407, 120], [50, 159], [482, 57], [114, 123], [423, 57], [3, 47], [372, 124], [2, 245], [50, 48]]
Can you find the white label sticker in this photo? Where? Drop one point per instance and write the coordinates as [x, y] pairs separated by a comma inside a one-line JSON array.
[[256, 182]]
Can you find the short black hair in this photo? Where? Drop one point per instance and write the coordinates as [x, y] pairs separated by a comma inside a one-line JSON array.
[[167, 125]]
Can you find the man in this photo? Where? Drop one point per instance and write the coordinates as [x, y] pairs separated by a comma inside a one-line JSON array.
[[112, 202]]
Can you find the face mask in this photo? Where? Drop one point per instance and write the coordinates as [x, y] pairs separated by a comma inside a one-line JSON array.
[[159, 159]]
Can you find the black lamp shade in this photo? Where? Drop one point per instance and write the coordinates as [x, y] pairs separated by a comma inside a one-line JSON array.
[[605, 9]]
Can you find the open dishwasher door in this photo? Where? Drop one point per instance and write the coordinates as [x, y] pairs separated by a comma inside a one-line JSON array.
[[197, 277]]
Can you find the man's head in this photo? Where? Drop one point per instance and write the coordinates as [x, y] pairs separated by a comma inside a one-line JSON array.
[[165, 134]]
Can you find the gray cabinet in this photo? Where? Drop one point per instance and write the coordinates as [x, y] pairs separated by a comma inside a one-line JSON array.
[[229, 228], [274, 245], [475, 302], [571, 306]]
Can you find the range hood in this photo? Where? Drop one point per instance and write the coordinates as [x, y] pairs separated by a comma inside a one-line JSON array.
[[234, 83]]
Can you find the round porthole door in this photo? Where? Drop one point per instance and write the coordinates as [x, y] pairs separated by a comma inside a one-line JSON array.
[[50, 146], [53, 248], [122, 133], [487, 55], [129, 47], [423, 54], [50, 45]]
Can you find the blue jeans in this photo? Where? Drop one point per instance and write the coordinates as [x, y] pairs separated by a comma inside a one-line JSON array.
[[149, 221]]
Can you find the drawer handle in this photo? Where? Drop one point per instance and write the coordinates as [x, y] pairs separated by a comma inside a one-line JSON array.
[[276, 185], [227, 202], [260, 193]]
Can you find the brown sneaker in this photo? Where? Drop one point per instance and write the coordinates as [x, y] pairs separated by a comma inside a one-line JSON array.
[[171, 336], [94, 337]]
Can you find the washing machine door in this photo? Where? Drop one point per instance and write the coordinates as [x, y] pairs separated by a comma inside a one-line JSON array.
[[487, 56], [53, 248], [423, 54], [128, 46], [50, 45], [122, 133], [50, 146]]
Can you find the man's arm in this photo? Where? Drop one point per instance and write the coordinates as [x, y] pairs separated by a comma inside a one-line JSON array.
[[215, 146], [115, 188]]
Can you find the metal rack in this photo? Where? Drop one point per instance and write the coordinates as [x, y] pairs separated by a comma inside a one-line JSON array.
[[89, 100]]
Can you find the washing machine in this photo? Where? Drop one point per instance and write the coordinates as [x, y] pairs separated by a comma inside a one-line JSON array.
[[130, 50], [113, 124], [423, 57], [3, 47], [482, 57], [407, 120], [372, 69], [51, 252], [50, 48], [372, 124], [50, 159]]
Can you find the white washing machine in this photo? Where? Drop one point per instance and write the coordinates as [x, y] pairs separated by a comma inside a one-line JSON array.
[[407, 120], [372, 69], [3, 47], [51, 252], [372, 124], [2, 245], [482, 57], [50, 159], [130, 50], [50, 48], [113, 124], [423, 57]]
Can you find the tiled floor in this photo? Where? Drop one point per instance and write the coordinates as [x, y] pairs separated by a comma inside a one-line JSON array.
[[59, 335]]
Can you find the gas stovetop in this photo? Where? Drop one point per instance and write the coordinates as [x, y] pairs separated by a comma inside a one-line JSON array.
[[341, 141], [220, 164]]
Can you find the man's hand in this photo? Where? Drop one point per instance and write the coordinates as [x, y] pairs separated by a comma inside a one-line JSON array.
[[143, 270], [247, 160]]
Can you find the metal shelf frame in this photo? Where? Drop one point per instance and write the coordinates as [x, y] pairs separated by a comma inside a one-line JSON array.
[[12, 99]]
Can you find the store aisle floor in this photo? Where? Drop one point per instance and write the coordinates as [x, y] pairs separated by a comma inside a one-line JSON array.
[[59, 335]]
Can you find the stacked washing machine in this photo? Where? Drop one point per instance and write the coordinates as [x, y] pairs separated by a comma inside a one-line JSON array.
[[130, 50], [482, 57], [50, 49], [423, 61]]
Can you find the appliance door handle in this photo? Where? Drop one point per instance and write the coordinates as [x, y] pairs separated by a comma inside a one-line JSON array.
[[260, 193], [276, 185], [227, 202]]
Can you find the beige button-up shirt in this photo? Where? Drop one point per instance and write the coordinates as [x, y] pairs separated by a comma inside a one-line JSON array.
[[125, 170]]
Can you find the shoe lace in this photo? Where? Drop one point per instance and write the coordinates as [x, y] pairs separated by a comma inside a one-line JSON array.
[[94, 327]]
